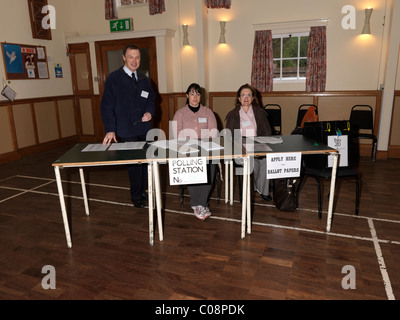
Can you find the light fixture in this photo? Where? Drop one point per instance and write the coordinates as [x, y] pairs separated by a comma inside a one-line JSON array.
[[366, 29], [185, 35], [222, 39]]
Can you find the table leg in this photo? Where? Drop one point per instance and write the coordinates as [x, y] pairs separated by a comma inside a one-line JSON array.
[[63, 207], [332, 192], [244, 196], [227, 179], [83, 184], [248, 211], [150, 196], [158, 199], [231, 181]]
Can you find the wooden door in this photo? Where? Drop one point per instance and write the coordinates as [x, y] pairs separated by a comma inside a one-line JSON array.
[[82, 84], [109, 58]]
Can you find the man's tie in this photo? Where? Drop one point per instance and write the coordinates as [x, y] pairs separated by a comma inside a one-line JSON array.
[[134, 77]]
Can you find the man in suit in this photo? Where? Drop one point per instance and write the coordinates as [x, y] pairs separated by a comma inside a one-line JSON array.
[[127, 107]]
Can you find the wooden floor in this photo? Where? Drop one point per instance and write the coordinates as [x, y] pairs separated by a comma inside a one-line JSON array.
[[287, 256]]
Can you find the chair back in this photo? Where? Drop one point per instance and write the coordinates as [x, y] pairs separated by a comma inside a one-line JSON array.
[[302, 111], [361, 117], [274, 113]]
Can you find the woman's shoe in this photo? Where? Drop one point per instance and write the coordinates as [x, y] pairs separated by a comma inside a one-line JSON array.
[[207, 212], [199, 212], [266, 197]]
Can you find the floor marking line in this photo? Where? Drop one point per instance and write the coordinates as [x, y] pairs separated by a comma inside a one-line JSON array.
[[381, 261]]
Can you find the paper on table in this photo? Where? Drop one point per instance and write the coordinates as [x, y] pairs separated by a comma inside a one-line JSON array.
[[210, 145], [257, 147], [127, 146], [182, 146], [270, 140], [95, 147]]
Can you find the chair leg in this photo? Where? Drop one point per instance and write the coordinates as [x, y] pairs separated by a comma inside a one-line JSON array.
[[319, 199], [374, 150], [181, 194], [357, 195]]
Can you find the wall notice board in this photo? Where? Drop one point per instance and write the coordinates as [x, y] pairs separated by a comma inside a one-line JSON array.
[[22, 62]]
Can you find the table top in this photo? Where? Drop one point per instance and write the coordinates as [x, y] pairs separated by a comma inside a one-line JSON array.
[[76, 158], [296, 143]]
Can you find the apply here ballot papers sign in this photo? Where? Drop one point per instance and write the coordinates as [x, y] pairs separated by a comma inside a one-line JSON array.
[[283, 165]]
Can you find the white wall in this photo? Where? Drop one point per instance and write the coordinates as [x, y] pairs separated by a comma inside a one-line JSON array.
[[354, 63], [16, 28]]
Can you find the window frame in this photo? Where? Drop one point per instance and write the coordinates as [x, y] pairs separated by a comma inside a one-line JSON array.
[[297, 79], [132, 4]]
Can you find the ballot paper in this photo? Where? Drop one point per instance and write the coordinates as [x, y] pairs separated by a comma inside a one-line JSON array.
[[181, 146], [210, 145], [269, 140], [127, 146], [257, 147], [95, 147]]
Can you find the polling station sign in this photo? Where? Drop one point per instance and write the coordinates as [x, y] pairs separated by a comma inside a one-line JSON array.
[[283, 165], [188, 171]]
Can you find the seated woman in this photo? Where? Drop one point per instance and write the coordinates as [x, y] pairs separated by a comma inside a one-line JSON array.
[[252, 121], [197, 122]]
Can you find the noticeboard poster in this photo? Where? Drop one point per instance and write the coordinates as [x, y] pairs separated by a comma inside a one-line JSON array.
[[23, 62]]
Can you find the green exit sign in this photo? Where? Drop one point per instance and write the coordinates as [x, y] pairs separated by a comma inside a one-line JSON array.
[[121, 25]]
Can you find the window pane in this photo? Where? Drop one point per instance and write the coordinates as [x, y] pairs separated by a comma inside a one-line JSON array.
[[276, 45], [303, 68], [277, 69], [303, 46], [290, 47], [289, 68]]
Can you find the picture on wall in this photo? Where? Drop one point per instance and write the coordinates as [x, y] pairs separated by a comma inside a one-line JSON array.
[[23, 62], [13, 58]]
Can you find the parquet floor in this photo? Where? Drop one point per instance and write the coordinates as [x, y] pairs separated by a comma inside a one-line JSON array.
[[287, 256]]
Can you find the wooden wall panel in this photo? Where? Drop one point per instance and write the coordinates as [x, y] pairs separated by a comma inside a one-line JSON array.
[[86, 116], [24, 125], [290, 107], [395, 132], [6, 141], [67, 118], [46, 119]]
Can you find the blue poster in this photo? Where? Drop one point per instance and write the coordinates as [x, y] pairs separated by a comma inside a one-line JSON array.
[[13, 58]]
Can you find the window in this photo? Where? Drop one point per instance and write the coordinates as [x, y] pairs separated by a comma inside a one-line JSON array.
[[124, 3], [290, 56]]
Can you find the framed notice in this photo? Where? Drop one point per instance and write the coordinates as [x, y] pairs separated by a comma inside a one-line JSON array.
[[22, 62]]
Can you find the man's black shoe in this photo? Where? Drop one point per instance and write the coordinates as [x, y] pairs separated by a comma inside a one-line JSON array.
[[139, 203], [266, 197]]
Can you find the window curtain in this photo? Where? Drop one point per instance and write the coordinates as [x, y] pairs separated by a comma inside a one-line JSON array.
[[111, 9], [219, 4], [156, 6], [262, 75], [316, 60]]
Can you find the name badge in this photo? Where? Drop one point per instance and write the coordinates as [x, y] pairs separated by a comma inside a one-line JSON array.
[[246, 124], [145, 94], [202, 120]]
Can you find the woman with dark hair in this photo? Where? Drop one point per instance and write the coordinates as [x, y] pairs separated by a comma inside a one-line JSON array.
[[197, 122], [252, 121]]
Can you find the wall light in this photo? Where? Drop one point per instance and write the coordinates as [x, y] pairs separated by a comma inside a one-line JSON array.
[[367, 28], [185, 35], [222, 39]]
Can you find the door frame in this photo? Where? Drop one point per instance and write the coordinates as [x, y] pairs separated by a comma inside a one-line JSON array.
[[101, 61]]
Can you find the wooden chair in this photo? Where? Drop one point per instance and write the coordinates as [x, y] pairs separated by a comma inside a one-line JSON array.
[[316, 165], [274, 113], [361, 118]]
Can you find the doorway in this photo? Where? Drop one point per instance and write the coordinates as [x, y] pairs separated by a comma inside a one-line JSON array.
[[109, 59]]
